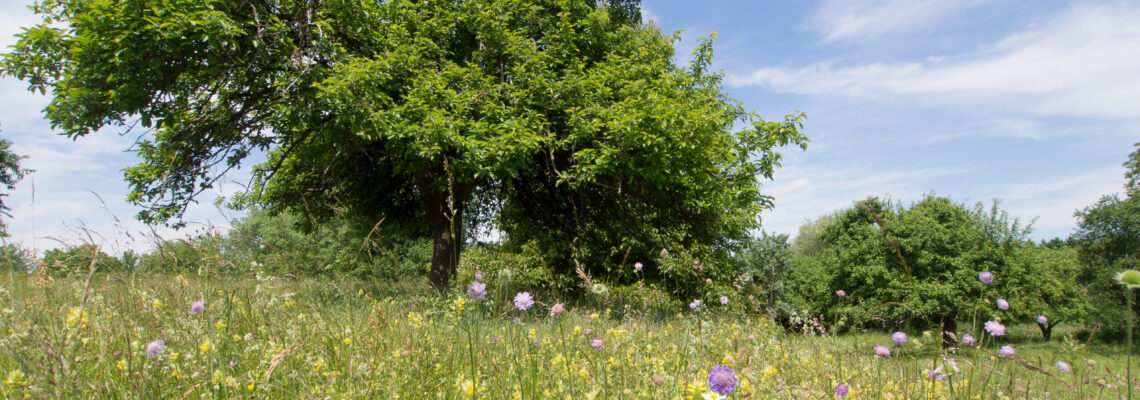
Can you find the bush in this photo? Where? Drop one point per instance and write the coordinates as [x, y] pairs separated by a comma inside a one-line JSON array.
[[77, 260]]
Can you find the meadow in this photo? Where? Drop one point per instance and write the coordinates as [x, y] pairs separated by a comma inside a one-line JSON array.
[[227, 336]]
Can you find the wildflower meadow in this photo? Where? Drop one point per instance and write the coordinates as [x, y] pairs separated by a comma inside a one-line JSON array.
[[215, 336]]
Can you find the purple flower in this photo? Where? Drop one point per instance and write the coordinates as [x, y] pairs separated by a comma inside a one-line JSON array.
[[842, 390], [724, 300], [1006, 351], [995, 328], [198, 306], [1041, 319], [557, 309], [841, 293], [637, 267], [899, 338], [597, 343], [1002, 304], [722, 380], [478, 275], [154, 348], [936, 375], [968, 339], [523, 301], [494, 340], [1064, 367], [233, 362], [694, 304], [986, 277], [882, 351], [476, 290]]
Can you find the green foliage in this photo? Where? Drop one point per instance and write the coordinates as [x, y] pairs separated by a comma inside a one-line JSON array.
[[10, 173], [570, 117], [767, 266], [1108, 238], [16, 259], [77, 260], [919, 265], [274, 244]]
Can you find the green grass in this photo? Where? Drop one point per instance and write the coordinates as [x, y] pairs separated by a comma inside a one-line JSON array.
[[320, 338]]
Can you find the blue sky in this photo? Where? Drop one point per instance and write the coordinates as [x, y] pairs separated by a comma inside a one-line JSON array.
[[1034, 103]]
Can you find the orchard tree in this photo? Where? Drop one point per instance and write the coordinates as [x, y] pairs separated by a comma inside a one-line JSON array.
[[921, 264], [567, 117], [1108, 239]]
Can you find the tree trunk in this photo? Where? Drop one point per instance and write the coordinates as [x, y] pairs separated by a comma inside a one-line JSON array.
[[949, 331], [445, 218]]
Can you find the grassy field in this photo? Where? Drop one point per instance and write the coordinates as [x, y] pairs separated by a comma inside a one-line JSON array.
[[260, 337]]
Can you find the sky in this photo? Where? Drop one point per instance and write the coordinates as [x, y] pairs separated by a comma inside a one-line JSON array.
[[1036, 104]]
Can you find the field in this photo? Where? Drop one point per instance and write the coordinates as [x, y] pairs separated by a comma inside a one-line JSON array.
[[266, 337]]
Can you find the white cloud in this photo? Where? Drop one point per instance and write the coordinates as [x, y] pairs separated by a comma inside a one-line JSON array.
[[845, 20], [1081, 63]]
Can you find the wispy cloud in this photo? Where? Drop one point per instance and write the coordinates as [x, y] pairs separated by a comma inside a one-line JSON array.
[[844, 20], [1082, 62]]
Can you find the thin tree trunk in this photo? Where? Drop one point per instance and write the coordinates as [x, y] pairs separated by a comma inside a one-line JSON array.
[[444, 211], [949, 331]]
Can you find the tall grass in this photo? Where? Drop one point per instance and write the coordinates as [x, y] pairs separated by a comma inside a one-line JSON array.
[[264, 337]]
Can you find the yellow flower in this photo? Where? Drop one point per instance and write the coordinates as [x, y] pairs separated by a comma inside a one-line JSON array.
[[206, 346], [219, 325], [577, 330], [120, 365], [157, 305], [346, 341]]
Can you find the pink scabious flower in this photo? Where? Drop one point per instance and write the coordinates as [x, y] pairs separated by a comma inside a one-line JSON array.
[[1007, 351], [722, 380], [936, 374], [523, 301], [1064, 367], [724, 300], [986, 277], [842, 390], [882, 351], [995, 328], [968, 339], [1041, 319], [840, 293], [1002, 304], [637, 266], [899, 338], [476, 290], [154, 348], [597, 343], [694, 304], [557, 309], [198, 306], [478, 275]]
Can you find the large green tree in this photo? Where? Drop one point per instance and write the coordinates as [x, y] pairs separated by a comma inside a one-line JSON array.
[[1108, 239], [920, 265], [560, 114]]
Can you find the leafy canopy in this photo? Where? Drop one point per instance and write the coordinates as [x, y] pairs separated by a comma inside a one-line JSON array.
[[920, 264], [560, 119]]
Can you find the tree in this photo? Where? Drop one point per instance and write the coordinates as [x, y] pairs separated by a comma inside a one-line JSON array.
[[1108, 236], [563, 113], [921, 264], [10, 173]]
